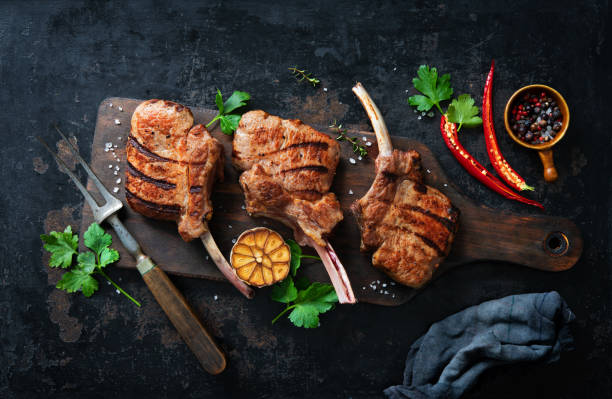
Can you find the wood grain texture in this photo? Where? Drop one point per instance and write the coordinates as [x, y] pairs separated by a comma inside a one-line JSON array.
[[484, 233], [185, 321]]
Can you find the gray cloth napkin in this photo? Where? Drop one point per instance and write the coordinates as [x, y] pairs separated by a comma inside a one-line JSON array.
[[449, 358]]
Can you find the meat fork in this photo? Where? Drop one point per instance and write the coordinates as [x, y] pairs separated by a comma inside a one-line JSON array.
[[167, 295]]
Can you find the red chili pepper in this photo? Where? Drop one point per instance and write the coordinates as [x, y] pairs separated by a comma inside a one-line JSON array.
[[498, 161], [449, 133]]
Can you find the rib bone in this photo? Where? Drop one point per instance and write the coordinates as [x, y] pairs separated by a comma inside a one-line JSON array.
[[378, 123], [223, 266]]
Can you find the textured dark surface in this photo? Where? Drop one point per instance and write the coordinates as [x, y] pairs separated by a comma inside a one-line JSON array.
[[59, 60]]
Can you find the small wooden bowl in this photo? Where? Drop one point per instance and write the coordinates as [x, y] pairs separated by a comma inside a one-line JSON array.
[[544, 149]]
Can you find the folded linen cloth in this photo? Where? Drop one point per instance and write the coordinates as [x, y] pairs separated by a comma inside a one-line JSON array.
[[449, 358]]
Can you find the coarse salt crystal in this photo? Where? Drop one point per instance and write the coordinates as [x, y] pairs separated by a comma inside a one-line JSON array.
[[120, 109], [393, 296], [119, 138], [108, 282], [115, 145], [110, 105], [106, 150], [116, 189], [369, 143], [116, 167], [243, 207], [384, 285], [117, 122], [115, 173], [419, 117], [363, 288], [229, 226], [216, 297], [377, 281], [428, 171], [359, 158], [395, 69], [118, 292], [392, 282], [351, 160], [386, 292], [110, 166], [445, 185], [233, 241], [206, 257], [364, 138], [118, 181], [380, 292], [350, 192], [325, 89]]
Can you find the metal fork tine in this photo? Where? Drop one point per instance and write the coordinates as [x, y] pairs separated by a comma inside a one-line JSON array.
[[101, 188], [90, 200]]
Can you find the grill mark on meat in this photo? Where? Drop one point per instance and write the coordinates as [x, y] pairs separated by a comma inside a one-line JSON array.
[[316, 144], [420, 188], [144, 151], [431, 244], [195, 189], [449, 224], [313, 168], [159, 183], [423, 238], [391, 177], [134, 143], [323, 146], [169, 209]]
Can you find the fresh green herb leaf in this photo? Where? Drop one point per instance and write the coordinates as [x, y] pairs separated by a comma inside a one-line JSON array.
[[304, 299], [237, 99], [229, 122], [284, 291], [80, 277], [62, 247], [219, 102], [301, 282], [76, 280], [463, 111], [357, 147], [316, 299], [435, 90], [96, 239], [302, 74], [296, 256], [86, 262], [108, 256]]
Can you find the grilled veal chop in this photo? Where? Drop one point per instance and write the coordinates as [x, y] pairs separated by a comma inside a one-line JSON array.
[[171, 168], [409, 226], [289, 168]]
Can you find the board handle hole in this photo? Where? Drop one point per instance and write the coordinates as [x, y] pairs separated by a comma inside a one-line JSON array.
[[556, 243]]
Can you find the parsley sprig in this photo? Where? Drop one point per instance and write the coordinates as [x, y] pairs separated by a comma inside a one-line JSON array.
[[436, 89], [229, 122], [357, 148], [63, 247], [304, 299], [302, 74]]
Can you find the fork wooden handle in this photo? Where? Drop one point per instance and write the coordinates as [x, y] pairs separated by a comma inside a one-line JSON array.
[[185, 320]]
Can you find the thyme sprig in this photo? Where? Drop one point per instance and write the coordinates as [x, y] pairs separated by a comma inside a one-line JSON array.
[[302, 74], [357, 148]]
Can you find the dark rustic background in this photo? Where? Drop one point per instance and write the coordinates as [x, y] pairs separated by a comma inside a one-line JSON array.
[[60, 59]]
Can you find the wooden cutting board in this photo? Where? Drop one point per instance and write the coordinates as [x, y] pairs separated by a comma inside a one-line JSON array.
[[539, 241]]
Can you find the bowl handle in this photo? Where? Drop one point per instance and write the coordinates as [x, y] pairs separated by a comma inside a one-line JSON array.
[[550, 173]]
